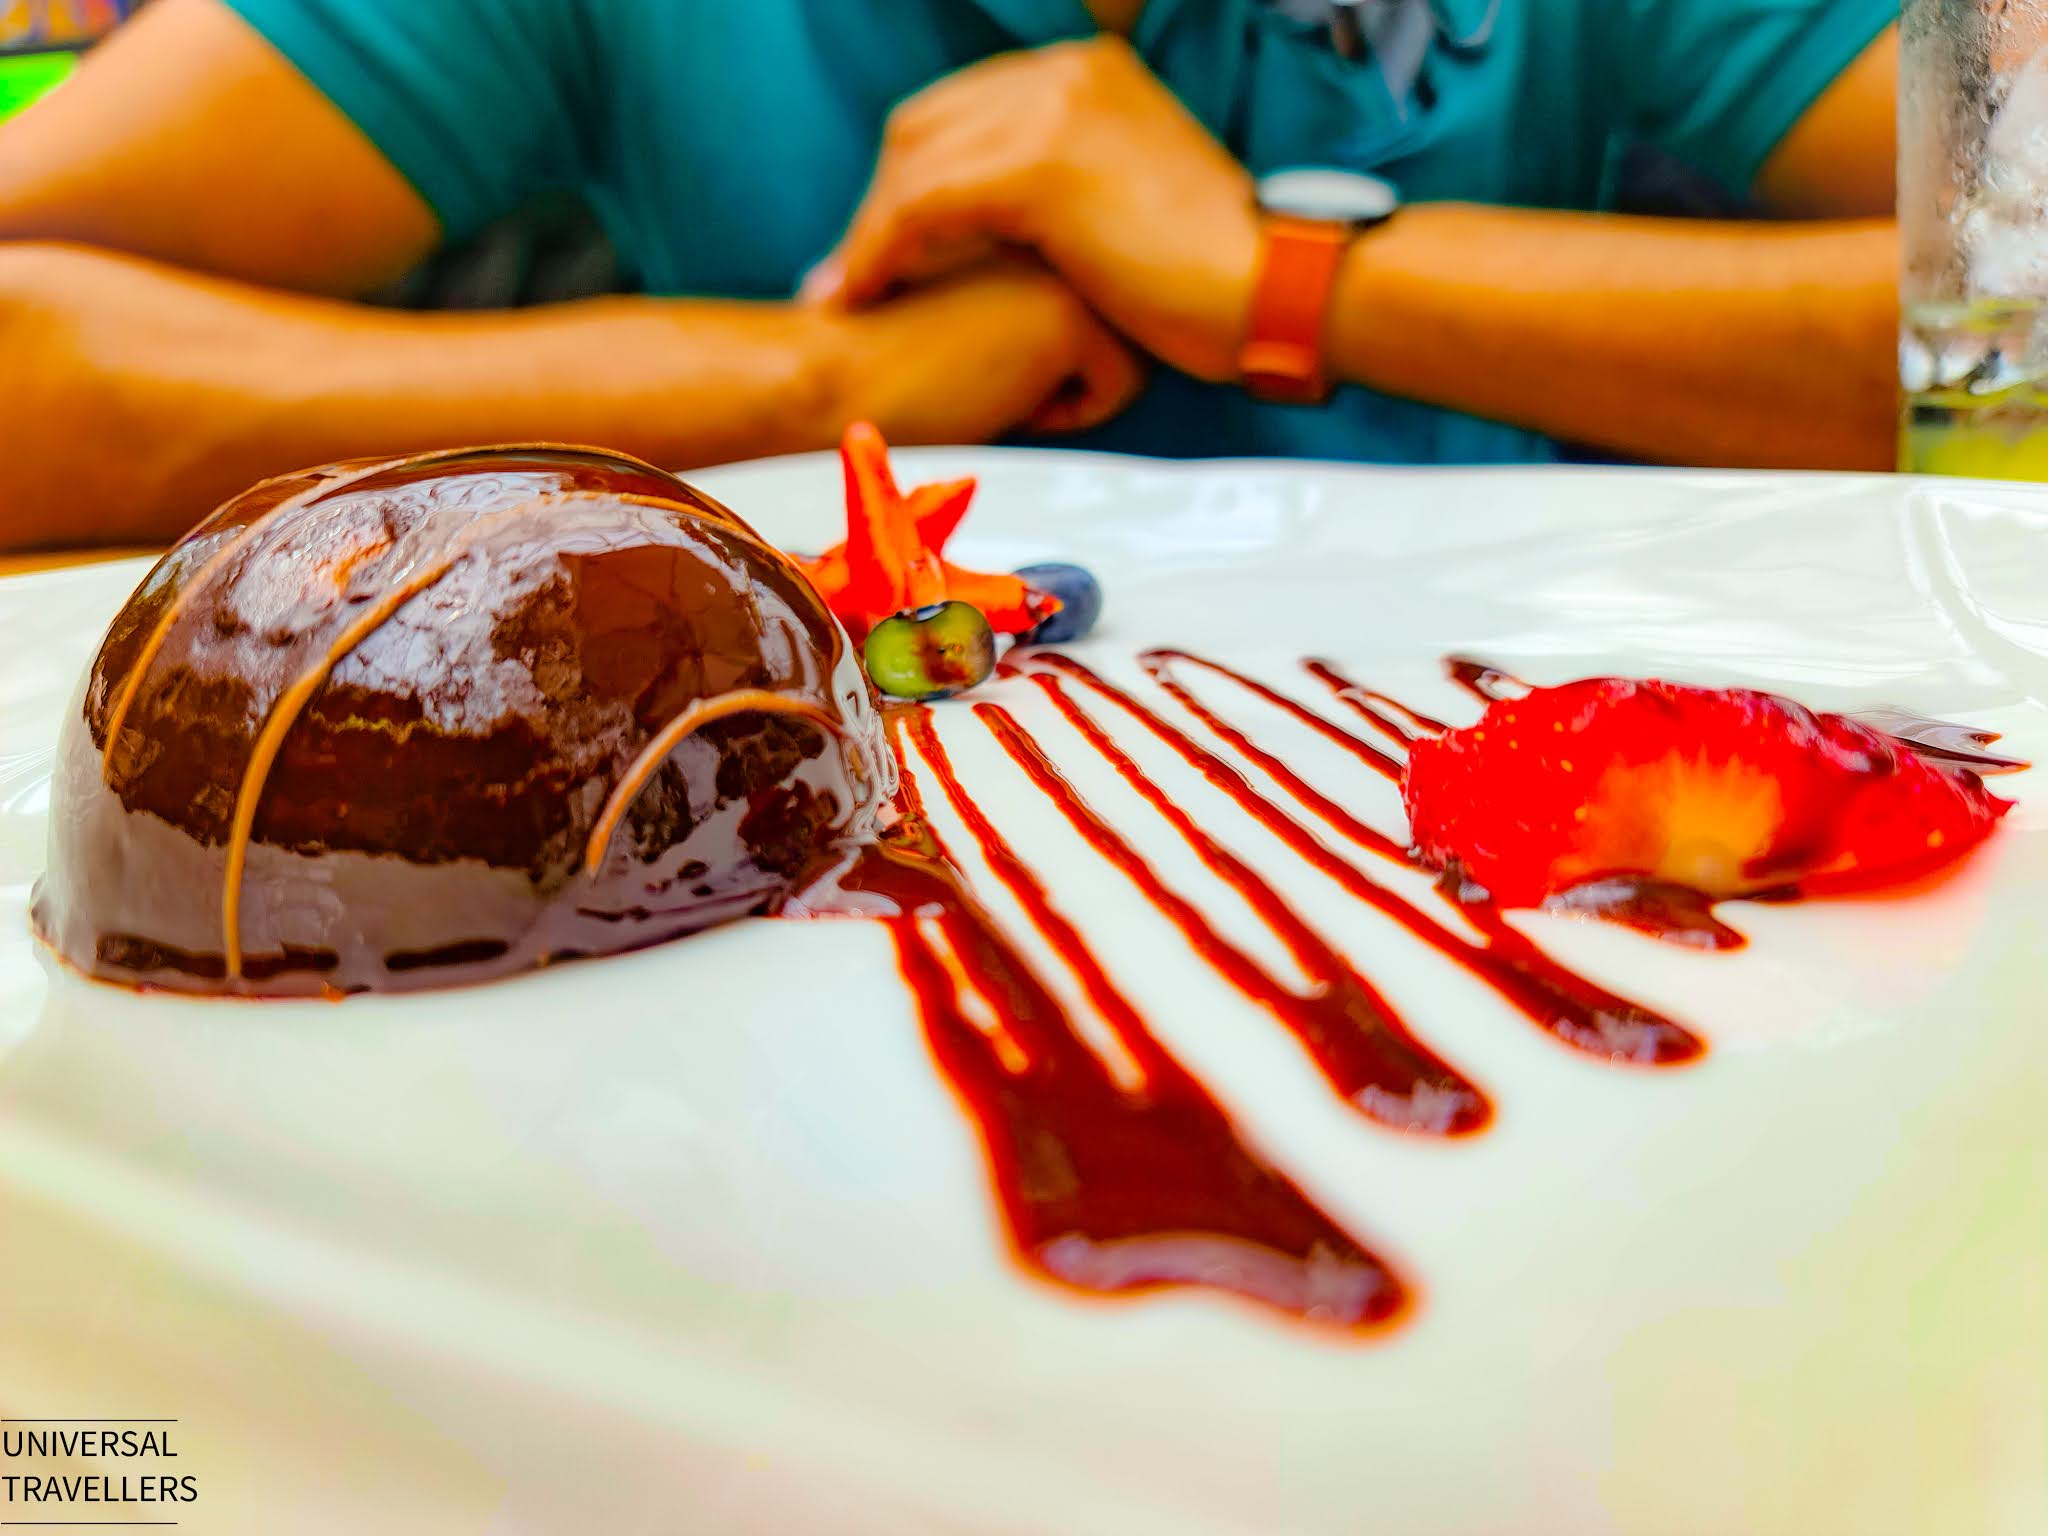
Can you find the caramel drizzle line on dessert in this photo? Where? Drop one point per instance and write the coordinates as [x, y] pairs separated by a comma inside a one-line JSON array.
[[1568, 1006], [704, 711], [739, 701], [1112, 1176], [292, 702], [727, 521], [319, 491], [211, 567], [285, 713]]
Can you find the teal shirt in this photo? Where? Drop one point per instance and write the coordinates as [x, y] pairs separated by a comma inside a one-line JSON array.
[[725, 143]]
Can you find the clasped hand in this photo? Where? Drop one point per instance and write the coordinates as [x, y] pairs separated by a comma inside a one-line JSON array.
[[1077, 154]]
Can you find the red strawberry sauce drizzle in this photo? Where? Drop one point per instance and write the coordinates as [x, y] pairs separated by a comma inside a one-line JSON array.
[[1386, 715], [1942, 742], [1115, 1170], [1556, 999], [1483, 680], [1349, 1030], [1671, 913]]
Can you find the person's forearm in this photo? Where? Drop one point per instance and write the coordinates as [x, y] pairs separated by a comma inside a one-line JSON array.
[[139, 397], [1690, 342]]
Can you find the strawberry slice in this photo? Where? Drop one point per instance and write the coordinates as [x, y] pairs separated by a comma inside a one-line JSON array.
[[893, 557], [1726, 791]]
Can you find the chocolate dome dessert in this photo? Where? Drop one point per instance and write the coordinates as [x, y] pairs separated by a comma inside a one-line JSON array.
[[408, 723]]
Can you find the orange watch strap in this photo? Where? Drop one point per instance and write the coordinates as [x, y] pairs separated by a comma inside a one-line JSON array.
[[1282, 355]]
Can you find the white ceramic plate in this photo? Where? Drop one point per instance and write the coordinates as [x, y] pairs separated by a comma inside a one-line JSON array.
[[696, 1239]]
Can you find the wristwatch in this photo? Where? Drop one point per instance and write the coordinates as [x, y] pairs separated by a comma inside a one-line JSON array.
[[1312, 214]]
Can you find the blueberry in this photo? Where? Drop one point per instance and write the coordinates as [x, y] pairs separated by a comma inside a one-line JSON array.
[[1080, 596], [930, 653]]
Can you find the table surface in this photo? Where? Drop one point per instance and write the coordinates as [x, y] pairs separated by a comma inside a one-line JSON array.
[[763, 1262], [50, 560]]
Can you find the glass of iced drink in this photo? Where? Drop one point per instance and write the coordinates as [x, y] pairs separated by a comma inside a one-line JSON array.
[[1973, 227]]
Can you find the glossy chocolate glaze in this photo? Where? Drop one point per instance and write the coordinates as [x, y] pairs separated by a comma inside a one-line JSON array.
[[460, 657]]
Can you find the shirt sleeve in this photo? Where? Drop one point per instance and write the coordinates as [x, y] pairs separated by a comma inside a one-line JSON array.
[[478, 103], [1719, 82]]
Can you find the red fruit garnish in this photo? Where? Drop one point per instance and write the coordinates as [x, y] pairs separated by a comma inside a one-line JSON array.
[[1725, 791], [892, 559]]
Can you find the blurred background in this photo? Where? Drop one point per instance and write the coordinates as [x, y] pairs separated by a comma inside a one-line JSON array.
[[1637, 234], [555, 249], [40, 41], [551, 250]]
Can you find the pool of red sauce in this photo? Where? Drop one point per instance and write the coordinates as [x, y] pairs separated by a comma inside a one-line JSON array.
[[1115, 1170]]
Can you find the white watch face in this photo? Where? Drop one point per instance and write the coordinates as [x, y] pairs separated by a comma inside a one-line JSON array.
[[1318, 192]]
